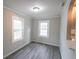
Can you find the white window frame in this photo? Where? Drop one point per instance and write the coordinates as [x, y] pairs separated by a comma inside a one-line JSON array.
[[47, 21], [22, 20]]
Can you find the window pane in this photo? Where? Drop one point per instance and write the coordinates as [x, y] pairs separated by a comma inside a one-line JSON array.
[[17, 24], [43, 28], [17, 28], [17, 35]]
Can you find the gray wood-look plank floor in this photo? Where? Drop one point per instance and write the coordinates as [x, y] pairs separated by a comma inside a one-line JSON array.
[[36, 51]]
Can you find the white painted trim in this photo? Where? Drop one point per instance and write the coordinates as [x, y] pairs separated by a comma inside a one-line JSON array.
[[51, 18], [15, 50], [53, 44], [15, 11]]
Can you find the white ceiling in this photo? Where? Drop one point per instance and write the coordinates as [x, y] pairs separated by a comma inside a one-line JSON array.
[[50, 8]]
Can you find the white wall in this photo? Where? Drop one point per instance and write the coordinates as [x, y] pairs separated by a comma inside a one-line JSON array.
[[8, 46], [66, 53], [54, 29]]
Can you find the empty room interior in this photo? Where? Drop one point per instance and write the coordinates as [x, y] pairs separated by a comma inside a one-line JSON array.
[[39, 29]]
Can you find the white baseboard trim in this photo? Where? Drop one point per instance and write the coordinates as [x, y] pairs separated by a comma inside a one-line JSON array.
[[15, 50], [53, 44]]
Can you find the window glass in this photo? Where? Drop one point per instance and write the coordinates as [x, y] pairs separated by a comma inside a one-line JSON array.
[[43, 27], [17, 28]]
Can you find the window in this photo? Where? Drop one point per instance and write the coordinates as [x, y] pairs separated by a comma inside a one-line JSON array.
[[43, 27], [17, 28]]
